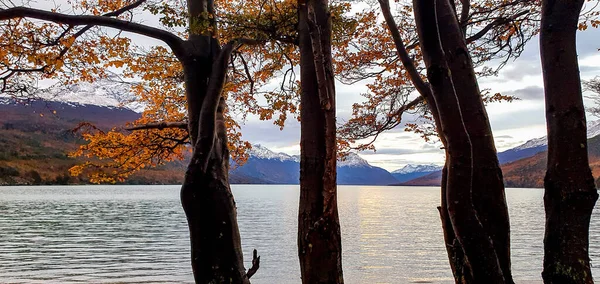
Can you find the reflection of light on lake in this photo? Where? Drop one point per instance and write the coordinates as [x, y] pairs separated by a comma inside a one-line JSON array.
[[400, 232], [124, 234]]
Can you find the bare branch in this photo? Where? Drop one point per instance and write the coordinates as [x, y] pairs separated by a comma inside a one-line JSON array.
[[248, 75], [495, 23], [175, 42], [255, 264], [421, 86], [159, 125]]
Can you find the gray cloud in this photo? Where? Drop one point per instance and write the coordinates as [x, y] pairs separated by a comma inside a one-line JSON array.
[[521, 68], [594, 70], [265, 132], [529, 93], [403, 151], [504, 137]]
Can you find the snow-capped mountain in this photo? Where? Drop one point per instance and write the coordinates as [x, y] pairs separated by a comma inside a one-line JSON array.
[[267, 166], [260, 152], [353, 160], [417, 168], [593, 130], [533, 143], [410, 172], [534, 146], [103, 93]]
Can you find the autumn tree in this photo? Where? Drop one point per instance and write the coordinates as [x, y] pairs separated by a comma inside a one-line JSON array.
[[495, 32], [41, 44], [570, 193], [215, 61], [474, 192], [319, 237], [402, 65]]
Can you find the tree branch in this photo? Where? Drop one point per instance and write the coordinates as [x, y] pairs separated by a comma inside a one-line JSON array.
[[494, 23], [159, 126], [421, 86], [255, 264], [174, 42]]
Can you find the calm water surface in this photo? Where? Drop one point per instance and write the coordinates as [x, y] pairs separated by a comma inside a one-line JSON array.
[[138, 234]]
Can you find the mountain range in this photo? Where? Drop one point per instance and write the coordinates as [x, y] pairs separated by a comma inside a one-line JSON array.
[[525, 165], [266, 166], [410, 172], [35, 138]]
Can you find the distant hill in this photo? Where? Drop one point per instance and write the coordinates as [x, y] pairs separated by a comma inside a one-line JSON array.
[[355, 170], [36, 135], [267, 166], [410, 172], [528, 149], [528, 171]]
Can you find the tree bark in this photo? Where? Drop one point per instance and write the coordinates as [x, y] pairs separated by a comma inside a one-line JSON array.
[[488, 187], [460, 180], [205, 195], [216, 251], [460, 268], [570, 193], [319, 240]]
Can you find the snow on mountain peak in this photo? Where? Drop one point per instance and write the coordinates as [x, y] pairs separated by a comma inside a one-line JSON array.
[[593, 130], [353, 160], [105, 93], [260, 152], [417, 168], [536, 142], [101, 93]]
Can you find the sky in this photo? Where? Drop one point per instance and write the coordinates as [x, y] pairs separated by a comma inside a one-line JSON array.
[[512, 123]]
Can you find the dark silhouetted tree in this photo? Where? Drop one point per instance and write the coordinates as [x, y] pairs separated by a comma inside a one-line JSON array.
[[570, 193]]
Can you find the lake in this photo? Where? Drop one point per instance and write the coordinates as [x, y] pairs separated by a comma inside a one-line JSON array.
[[138, 234]]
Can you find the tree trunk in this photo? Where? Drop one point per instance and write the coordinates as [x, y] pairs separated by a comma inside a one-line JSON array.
[[488, 187], [461, 270], [570, 193], [319, 240], [211, 213], [476, 243], [205, 195]]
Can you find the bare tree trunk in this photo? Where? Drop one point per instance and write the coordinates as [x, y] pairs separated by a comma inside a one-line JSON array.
[[476, 243], [460, 268], [319, 240], [488, 187], [570, 193], [205, 194]]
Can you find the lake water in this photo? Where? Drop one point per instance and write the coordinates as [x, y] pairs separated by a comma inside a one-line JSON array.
[[138, 234]]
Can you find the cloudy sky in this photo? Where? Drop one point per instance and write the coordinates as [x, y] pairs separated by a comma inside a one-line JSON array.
[[513, 123]]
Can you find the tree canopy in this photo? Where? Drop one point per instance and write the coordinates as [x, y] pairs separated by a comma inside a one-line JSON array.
[[79, 45]]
